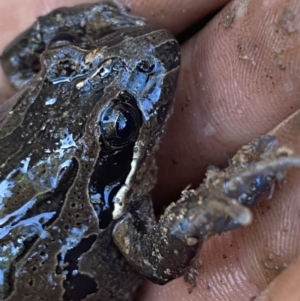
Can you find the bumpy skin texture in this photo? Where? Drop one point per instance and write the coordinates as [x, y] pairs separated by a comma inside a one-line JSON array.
[[77, 162], [62, 163]]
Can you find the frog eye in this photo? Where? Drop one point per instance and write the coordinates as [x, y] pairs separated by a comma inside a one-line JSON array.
[[120, 124], [62, 39]]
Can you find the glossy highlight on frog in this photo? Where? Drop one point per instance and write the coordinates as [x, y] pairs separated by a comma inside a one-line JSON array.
[[74, 144], [77, 147]]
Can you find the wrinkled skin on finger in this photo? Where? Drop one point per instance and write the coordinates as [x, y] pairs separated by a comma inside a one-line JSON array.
[[239, 79]]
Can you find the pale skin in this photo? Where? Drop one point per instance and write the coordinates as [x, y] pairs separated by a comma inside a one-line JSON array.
[[239, 79]]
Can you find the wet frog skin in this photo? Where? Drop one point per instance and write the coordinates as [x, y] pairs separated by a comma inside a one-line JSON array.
[[74, 144], [76, 162]]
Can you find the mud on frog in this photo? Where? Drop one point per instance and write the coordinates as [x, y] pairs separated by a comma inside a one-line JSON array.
[[76, 162]]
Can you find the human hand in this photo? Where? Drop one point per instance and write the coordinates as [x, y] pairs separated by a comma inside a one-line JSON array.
[[239, 79]]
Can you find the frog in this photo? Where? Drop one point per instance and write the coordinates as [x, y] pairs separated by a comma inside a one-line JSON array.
[[96, 87]]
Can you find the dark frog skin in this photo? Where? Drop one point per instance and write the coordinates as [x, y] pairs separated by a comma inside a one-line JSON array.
[[77, 148]]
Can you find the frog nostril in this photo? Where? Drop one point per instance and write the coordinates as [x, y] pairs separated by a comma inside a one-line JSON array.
[[36, 65], [145, 66]]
